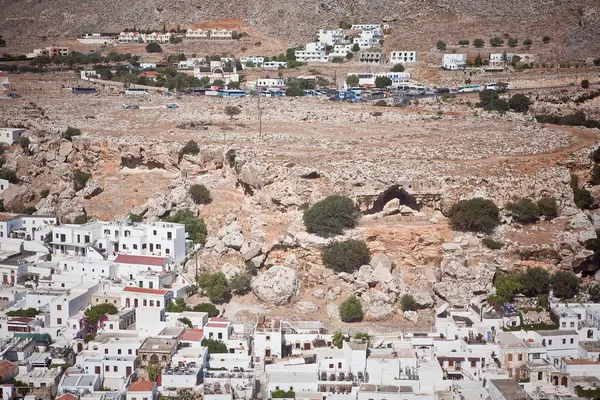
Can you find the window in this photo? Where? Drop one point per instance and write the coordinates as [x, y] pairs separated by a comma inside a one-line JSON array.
[[115, 369], [564, 341], [119, 351], [169, 235], [145, 302], [144, 357], [135, 246], [111, 327], [59, 321], [158, 304], [510, 357], [572, 340], [268, 337], [564, 324], [167, 251], [339, 365], [451, 363], [154, 233], [331, 366], [107, 368], [298, 346], [550, 342], [143, 245], [210, 335], [151, 303], [520, 357], [473, 364], [59, 307], [164, 358], [105, 351], [157, 246], [220, 335], [129, 351]]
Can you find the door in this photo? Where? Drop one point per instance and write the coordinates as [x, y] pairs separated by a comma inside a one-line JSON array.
[[135, 303], [127, 371], [97, 370]]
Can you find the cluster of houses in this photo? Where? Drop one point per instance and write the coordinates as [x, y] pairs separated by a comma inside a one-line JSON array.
[[457, 61], [128, 37], [50, 51], [50, 349]]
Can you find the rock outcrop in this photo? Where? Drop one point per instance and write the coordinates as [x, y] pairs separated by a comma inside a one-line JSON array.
[[276, 286]]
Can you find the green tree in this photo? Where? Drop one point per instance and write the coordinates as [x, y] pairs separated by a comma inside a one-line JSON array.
[[23, 312], [347, 256], [8, 174], [398, 68], [513, 42], [81, 219], [194, 227], [209, 308], [582, 197], [186, 321], [240, 283], [536, 281], [352, 80], [382, 82], [80, 179], [542, 301], [294, 91], [585, 83], [474, 215], [496, 41], [153, 370], [178, 305], [153, 48], [351, 310], [594, 291], [478, 60], [508, 285], [463, 42], [349, 56], [546, 39], [330, 216], [441, 45], [214, 346], [565, 285], [191, 148], [409, 303], [24, 142], [478, 43], [200, 194], [337, 339], [282, 394], [519, 103], [547, 207], [524, 211], [527, 43], [355, 47], [215, 286], [70, 133], [490, 101]]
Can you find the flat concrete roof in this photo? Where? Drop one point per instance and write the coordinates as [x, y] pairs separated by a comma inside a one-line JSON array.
[[557, 332], [510, 389]]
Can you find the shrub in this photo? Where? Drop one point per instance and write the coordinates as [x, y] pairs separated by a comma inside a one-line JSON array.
[[294, 91], [240, 283], [70, 133], [381, 103], [8, 174], [513, 42], [582, 197], [474, 215], [89, 337], [338, 60], [525, 211], [478, 43], [547, 207], [527, 42], [398, 68], [178, 305], [23, 312], [351, 310], [491, 243], [565, 285], [211, 309], [594, 291], [542, 301], [24, 142], [355, 47], [409, 303], [519, 103], [536, 281], [215, 286], [80, 179], [546, 39], [200, 194], [214, 346], [94, 314], [347, 256], [463, 42], [232, 111], [496, 41], [194, 227], [44, 193], [490, 101], [331, 216], [282, 394], [585, 83], [441, 45], [135, 217], [153, 48], [29, 210], [80, 219], [190, 147], [596, 155]]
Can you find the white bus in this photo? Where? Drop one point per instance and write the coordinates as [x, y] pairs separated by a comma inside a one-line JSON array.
[[136, 91], [468, 89]]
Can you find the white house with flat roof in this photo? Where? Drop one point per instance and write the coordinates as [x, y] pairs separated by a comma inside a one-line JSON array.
[[403, 57], [4, 184], [330, 36], [10, 135], [341, 50], [454, 61]]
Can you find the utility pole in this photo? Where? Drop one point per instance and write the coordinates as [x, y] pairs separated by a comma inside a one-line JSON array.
[[259, 118]]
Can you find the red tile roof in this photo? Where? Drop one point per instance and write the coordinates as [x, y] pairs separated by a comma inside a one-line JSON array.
[[218, 319], [215, 325], [192, 335], [141, 260], [23, 320], [67, 396], [134, 289], [6, 367], [141, 386]]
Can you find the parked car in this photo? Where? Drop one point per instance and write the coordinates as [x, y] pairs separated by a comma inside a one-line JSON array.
[[128, 106], [13, 96], [172, 105], [442, 90]]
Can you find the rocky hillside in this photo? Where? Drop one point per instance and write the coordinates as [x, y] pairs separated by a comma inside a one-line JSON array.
[[417, 24]]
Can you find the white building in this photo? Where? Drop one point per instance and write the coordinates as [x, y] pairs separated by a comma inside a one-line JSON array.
[[140, 297], [366, 27], [364, 42], [369, 57], [385, 392], [404, 57], [76, 381], [311, 56], [341, 50], [265, 83], [330, 36], [142, 390], [257, 61], [275, 64], [454, 61], [96, 38], [10, 135], [197, 34]]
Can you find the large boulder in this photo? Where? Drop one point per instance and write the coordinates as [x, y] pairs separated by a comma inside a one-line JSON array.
[[377, 305], [234, 240], [276, 286], [91, 189]]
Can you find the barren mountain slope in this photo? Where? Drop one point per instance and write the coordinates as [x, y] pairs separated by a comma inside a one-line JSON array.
[[417, 24]]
